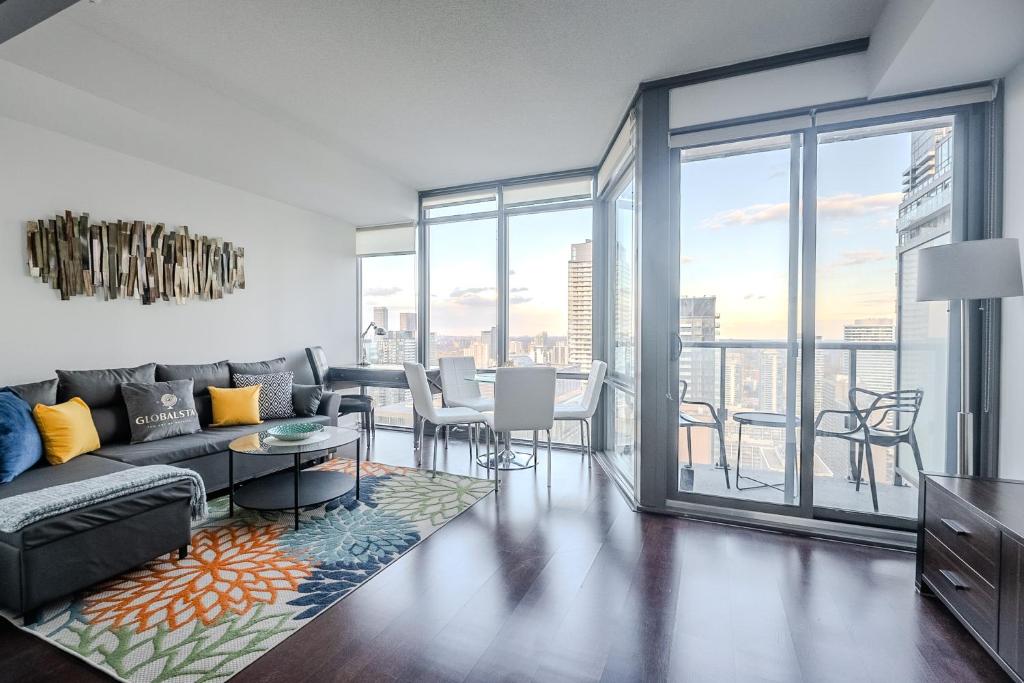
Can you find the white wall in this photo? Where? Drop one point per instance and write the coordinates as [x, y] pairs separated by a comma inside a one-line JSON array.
[[300, 267], [1011, 426]]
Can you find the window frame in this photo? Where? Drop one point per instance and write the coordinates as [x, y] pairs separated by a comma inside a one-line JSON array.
[[501, 214]]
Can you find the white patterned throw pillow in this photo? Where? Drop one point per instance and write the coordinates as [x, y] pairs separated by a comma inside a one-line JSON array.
[[275, 393]]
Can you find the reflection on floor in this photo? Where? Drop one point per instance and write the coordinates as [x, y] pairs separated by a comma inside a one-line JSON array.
[[831, 492], [569, 584]]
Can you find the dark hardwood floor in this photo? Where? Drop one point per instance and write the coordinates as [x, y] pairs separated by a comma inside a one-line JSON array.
[[570, 585]]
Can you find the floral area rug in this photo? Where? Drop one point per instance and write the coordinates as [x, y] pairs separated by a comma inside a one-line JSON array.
[[251, 581]]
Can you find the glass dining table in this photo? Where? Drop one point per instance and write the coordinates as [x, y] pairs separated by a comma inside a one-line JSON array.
[[507, 458]]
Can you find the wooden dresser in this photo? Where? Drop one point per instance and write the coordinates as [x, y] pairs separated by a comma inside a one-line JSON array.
[[970, 554]]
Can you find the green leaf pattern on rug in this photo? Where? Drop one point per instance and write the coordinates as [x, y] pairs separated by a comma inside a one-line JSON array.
[[201, 656], [418, 496]]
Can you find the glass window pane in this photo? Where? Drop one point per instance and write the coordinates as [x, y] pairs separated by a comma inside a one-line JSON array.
[[738, 315], [623, 283], [622, 420], [463, 291], [550, 284], [388, 288], [883, 192]]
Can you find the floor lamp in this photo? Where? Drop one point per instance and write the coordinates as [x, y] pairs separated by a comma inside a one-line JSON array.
[[966, 271]]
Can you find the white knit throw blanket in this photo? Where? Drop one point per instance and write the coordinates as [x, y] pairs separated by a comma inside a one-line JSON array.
[[17, 512]]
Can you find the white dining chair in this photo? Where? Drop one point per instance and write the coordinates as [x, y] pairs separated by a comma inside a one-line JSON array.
[[460, 391], [583, 409], [524, 400], [423, 403]]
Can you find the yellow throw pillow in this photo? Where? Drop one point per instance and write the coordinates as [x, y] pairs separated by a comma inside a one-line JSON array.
[[235, 406], [67, 430]]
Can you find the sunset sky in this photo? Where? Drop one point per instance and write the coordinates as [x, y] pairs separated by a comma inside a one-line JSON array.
[[734, 214]]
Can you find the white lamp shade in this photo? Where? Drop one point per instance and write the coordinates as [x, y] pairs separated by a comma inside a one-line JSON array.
[[977, 269]]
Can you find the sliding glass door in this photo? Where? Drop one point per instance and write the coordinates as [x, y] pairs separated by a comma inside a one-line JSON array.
[[738, 310], [884, 192], [811, 381]]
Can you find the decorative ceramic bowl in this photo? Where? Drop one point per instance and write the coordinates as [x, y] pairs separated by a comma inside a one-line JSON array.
[[296, 431]]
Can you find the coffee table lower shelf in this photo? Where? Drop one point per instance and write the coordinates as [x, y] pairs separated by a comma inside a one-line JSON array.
[[276, 492]]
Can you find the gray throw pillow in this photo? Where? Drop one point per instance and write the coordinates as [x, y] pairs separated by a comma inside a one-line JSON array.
[[306, 398], [275, 393], [160, 409]]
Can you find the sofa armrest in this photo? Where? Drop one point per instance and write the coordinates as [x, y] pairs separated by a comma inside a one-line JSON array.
[[330, 404]]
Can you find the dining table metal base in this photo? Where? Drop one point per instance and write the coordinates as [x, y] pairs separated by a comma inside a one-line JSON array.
[[507, 460]]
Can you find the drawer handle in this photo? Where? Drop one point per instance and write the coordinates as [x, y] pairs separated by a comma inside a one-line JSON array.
[[955, 526], [952, 577]]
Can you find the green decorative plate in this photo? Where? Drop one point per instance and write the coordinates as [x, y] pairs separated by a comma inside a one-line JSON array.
[[296, 431]]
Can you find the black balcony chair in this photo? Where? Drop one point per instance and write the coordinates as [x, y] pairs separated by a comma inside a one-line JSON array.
[[349, 404], [688, 422], [873, 425]]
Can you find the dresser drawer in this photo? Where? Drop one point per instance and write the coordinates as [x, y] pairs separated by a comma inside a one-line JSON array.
[[964, 589], [963, 531]]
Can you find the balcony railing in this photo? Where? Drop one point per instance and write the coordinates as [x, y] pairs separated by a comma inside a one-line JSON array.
[[852, 348]]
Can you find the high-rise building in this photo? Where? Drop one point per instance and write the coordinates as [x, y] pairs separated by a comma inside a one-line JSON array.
[[698, 321], [924, 211], [407, 322], [581, 263], [876, 370], [380, 316]]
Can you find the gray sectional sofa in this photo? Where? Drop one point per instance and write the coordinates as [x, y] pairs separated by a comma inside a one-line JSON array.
[[57, 556]]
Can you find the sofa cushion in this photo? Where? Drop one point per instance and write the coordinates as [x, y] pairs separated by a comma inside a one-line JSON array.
[[97, 515], [20, 444], [263, 367], [306, 398], [82, 467], [179, 448], [101, 391], [101, 388], [44, 392], [275, 395], [203, 376], [160, 410]]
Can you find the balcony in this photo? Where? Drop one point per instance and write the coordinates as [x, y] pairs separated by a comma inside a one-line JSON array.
[[750, 375]]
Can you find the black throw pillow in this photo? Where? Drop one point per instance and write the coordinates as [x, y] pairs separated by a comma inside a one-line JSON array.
[[160, 409]]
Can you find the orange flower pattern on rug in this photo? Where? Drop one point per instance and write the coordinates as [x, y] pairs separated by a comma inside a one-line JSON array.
[[348, 466], [229, 569]]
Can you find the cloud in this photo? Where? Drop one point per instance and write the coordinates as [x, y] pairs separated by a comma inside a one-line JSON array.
[[519, 289], [757, 297], [859, 258], [473, 296], [382, 291], [464, 291], [519, 299], [686, 259], [836, 207]]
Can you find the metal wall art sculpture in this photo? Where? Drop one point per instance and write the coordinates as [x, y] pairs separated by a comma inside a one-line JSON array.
[[131, 260]]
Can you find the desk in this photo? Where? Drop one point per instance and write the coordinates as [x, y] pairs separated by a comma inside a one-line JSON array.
[[386, 376]]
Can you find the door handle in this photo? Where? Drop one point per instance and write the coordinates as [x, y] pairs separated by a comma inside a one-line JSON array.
[[677, 347]]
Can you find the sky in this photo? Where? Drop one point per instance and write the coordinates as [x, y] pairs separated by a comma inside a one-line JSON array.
[[735, 235], [734, 222]]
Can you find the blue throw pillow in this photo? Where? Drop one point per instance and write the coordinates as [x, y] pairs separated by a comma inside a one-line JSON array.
[[20, 444]]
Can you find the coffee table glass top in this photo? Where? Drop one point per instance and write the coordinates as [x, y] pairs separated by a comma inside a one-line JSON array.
[[262, 443], [484, 377]]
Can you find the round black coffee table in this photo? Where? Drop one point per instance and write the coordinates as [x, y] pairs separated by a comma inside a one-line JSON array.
[[293, 488]]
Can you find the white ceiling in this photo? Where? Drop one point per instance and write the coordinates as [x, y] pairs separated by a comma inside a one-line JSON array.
[[348, 107]]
